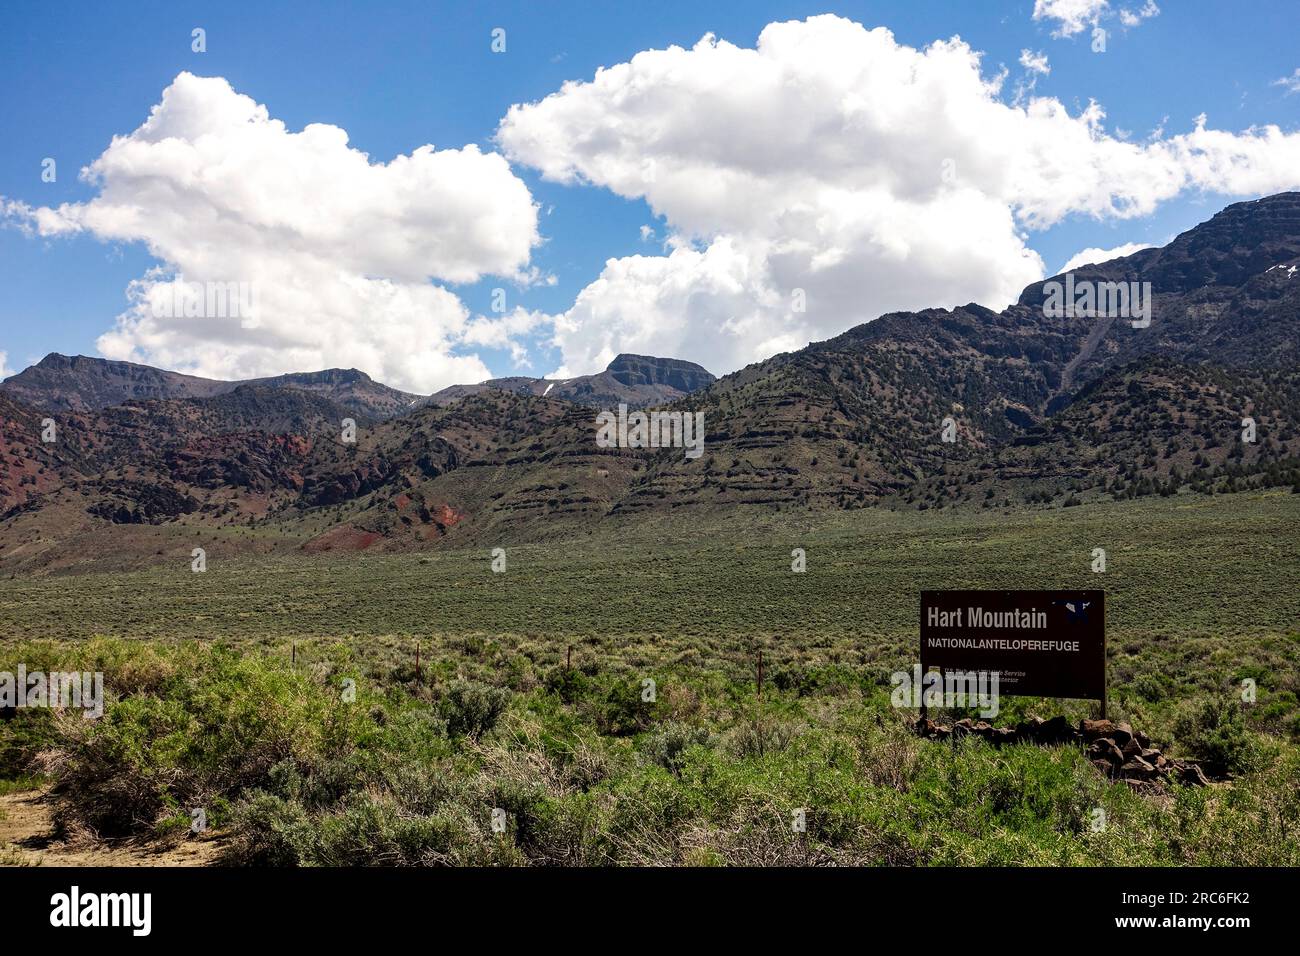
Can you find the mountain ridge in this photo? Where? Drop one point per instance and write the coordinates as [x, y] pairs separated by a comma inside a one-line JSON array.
[[1043, 410], [630, 379], [81, 383]]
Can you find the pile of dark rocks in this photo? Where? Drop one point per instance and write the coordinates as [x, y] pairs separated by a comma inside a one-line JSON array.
[[1115, 749]]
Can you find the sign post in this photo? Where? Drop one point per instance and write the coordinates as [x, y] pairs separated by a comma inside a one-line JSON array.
[[1040, 643]]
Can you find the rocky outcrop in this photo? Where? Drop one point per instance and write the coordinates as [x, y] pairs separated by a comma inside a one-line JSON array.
[[332, 489], [82, 383], [634, 370], [1120, 752], [1114, 749], [640, 381], [251, 462], [133, 502], [351, 388]]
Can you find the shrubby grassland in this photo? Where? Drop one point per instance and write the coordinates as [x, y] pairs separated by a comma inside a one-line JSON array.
[[207, 709]]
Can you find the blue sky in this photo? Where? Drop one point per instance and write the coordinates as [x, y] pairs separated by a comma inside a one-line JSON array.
[[396, 76]]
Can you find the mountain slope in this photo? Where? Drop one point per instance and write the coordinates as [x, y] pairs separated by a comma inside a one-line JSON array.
[[1042, 411], [80, 383], [858, 419]]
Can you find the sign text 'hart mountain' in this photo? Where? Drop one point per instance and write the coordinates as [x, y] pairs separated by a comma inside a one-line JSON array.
[[1039, 643]]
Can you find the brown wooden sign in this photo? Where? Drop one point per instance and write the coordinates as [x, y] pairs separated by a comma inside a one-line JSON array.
[[1041, 643]]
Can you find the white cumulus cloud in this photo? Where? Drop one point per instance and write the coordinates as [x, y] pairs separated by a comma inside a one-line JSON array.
[[1035, 62], [1071, 16], [5, 370], [832, 166], [1095, 256], [340, 255], [1133, 18], [1075, 16]]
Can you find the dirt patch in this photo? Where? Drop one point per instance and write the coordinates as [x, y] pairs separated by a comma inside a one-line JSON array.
[[27, 839], [345, 538], [445, 517]]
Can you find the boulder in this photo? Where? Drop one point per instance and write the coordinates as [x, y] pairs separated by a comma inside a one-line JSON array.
[[1138, 769], [1057, 730], [925, 727], [1192, 775], [1093, 729], [1027, 730], [1114, 749], [963, 727], [1105, 749]]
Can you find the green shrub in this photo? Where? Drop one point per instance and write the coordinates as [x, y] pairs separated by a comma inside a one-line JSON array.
[[25, 734], [1214, 734], [756, 737], [471, 708], [666, 744], [213, 726], [1152, 688], [569, 684], [589, 774], [621, 712]]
